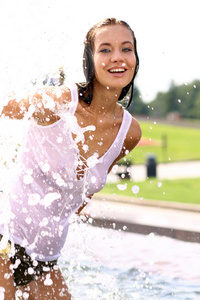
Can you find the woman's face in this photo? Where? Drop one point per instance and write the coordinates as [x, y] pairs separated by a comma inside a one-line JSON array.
[[114, 56]]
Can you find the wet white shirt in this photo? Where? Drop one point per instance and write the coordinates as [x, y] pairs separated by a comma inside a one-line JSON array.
[[47, 191]]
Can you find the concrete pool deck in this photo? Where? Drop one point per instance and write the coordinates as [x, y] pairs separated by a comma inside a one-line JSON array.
[[175, 220]]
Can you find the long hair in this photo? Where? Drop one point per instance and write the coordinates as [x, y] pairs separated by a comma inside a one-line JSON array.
[[86, 88]]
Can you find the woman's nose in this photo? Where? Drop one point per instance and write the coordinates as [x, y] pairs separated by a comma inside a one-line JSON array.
[[117, 56]]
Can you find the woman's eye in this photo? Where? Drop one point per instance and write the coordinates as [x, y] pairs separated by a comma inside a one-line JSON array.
[[127, 50], [105, 50]]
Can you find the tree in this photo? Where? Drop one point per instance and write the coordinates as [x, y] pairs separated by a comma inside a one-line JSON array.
[[184, 99], [138, 107]]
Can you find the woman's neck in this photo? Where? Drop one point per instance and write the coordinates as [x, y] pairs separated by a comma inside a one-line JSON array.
[[104, 100]]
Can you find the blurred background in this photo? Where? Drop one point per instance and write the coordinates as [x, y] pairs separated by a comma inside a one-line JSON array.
[[42, 43]]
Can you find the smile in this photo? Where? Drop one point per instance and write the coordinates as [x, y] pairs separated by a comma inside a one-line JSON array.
[[117, 70]]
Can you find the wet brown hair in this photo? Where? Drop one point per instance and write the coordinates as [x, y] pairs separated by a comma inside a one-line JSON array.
[[86, 89]]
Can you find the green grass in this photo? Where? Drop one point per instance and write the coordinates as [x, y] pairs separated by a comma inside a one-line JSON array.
[[182, 190], [169, 143]]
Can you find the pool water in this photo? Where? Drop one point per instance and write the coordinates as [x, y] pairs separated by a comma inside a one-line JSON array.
[[101, 263]]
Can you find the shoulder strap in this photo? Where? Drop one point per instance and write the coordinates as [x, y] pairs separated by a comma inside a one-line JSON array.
[[115, 149], [126, 122]]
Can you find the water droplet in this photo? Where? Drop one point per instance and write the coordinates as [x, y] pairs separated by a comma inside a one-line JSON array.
[[126, 152], [122, 187], [135, 189], [90, 220], [107, 87], [93, 179], [25, 295], [179, 100], [6, 276], [159, 184], [28, 220], [115, 168], [44, 222], [152, 234], [48, 281], [18, 293], [45, 167], [85, 148], [59, 140], [194, 86], [30, 271]]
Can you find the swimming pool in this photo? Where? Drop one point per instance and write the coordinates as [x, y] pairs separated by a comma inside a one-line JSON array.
[[106, 264]]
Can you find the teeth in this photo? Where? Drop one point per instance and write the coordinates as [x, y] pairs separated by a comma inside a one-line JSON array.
[[117, 70]]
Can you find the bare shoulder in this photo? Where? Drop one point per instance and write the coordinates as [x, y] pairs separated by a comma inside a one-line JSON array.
[[134, 135]]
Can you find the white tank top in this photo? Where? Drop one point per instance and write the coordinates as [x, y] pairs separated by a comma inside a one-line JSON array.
[[47, 191]]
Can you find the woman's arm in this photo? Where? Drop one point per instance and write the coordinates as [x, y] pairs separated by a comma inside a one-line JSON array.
[[42, 105]]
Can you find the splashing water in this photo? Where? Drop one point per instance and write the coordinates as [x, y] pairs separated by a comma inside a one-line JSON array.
[[12, 138], [134, 267]]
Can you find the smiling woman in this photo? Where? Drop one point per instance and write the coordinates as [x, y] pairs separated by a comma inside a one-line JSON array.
[[88, 61], [76, 135]]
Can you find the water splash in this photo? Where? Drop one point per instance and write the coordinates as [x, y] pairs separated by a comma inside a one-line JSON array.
[[122, 187]]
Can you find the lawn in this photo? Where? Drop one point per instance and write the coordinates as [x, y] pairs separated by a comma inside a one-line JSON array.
[[180, 190], [167, 142]]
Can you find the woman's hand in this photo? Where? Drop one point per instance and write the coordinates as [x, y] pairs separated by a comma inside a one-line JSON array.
[[42, 105]]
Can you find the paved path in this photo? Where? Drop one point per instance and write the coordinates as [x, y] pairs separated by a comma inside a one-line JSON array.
[[176, 220], [169, 170], [188, 169]]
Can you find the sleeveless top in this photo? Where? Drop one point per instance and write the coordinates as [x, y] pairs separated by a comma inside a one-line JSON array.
[[47, 191]]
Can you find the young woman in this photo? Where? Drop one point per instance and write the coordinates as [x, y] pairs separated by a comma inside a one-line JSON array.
[[79, 133]]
